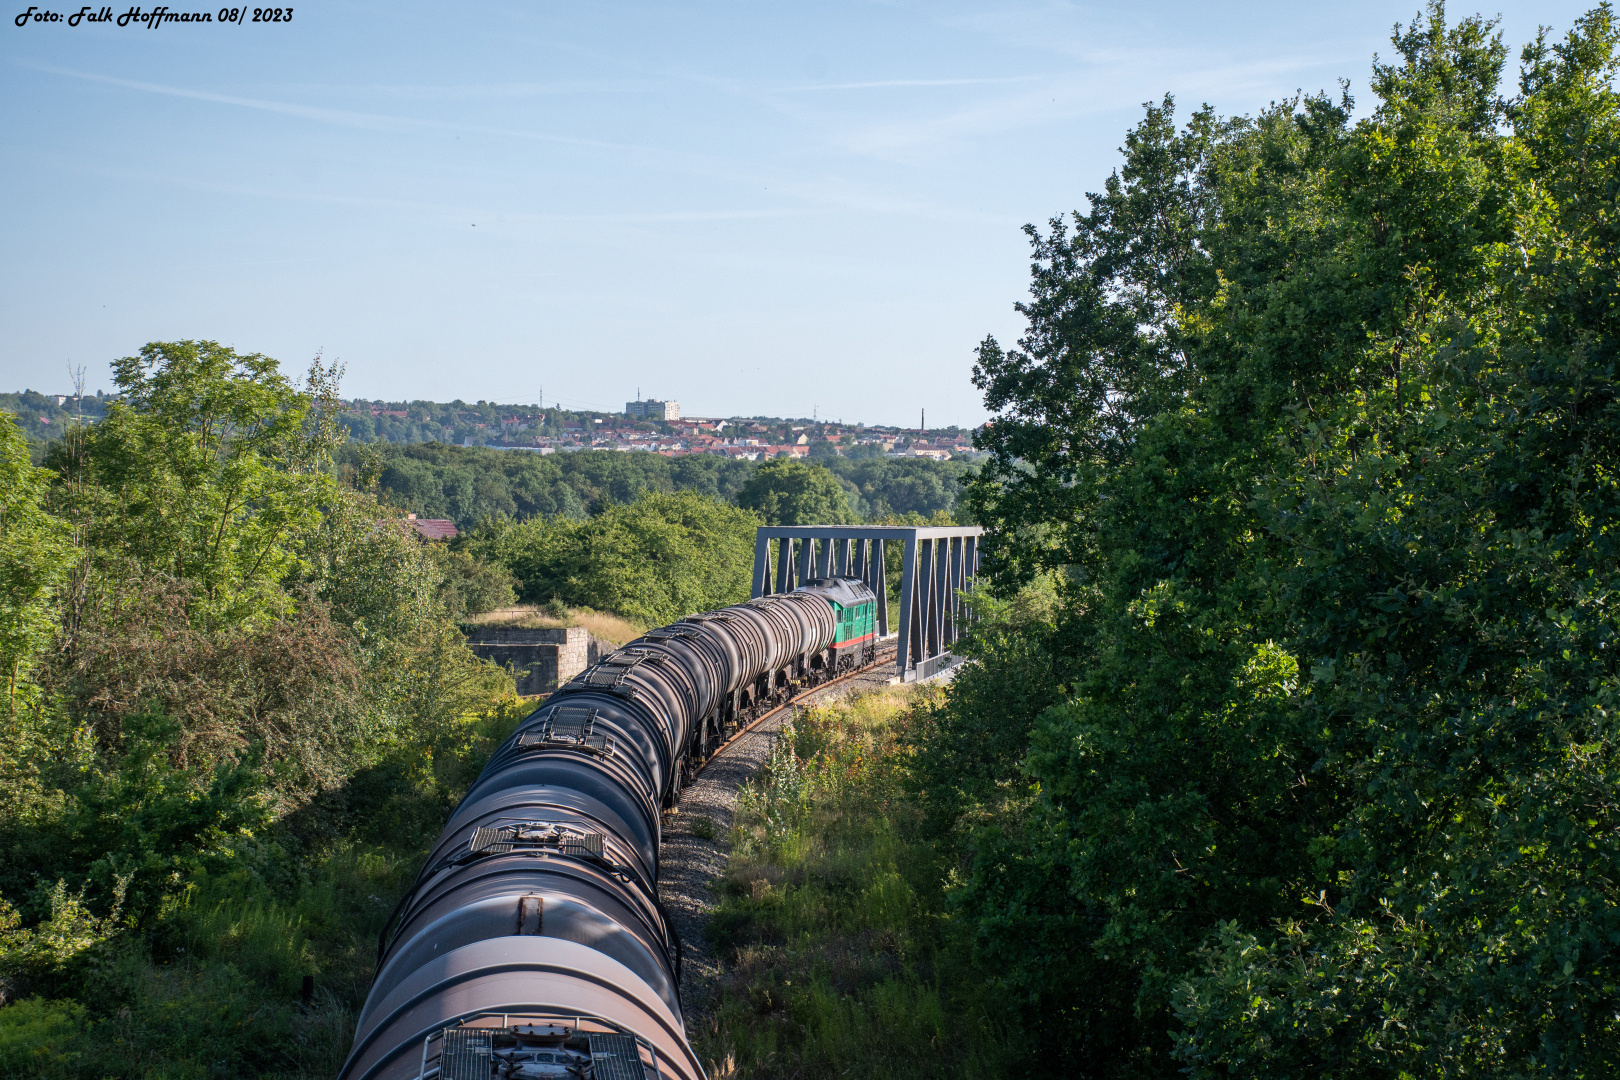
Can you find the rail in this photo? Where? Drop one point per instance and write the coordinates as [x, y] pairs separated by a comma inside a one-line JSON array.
[[879, 661]]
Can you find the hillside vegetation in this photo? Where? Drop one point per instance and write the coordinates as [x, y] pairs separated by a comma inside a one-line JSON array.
[[1315, 429], [236, 711]]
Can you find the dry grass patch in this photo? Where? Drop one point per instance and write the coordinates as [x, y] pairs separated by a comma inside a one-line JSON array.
[[602, 624]]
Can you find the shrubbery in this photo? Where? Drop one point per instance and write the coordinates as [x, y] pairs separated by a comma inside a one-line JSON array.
[[835, 959], [237, 712], [1311, 770], [653, 561]]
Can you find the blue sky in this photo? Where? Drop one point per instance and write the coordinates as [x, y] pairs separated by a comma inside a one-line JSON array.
[[751, 208]]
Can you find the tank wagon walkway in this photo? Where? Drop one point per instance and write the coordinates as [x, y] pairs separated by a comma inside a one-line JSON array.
[[688, 862]]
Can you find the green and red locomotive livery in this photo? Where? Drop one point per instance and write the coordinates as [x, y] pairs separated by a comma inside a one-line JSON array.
[[854, 609]]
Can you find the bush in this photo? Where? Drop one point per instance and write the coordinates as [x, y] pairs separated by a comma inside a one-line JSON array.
[[134, 833], [282, 686], [58, 943], [654, 561], [836, 962]]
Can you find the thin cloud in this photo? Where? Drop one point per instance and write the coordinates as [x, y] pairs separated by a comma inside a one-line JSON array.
[[694, 163], [884, 84], [1066, 98], [493, 218], [511, 91], [337, 117]]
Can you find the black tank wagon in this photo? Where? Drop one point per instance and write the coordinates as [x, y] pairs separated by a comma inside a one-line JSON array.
[[532, 944]]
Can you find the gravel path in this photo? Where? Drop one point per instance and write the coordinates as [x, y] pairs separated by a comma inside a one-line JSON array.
[[688, 864]]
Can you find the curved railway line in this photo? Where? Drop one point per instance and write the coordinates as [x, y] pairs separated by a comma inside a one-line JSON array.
[[535, 942], [885, 659], [689, 861]]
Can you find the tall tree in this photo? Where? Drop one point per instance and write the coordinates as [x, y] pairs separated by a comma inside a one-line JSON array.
[[1104, 351], [211, 469], [788, 492], [653, 561]]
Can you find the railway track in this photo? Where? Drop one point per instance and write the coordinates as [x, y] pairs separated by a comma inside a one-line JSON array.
[[694, 851], [885, 658]]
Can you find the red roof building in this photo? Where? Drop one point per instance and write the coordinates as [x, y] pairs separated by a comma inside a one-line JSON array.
[[432, 528]]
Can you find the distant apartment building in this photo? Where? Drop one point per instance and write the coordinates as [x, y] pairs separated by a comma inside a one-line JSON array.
[[653, 409]]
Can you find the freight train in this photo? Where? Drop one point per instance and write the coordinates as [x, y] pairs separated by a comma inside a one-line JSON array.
[[533, 944]]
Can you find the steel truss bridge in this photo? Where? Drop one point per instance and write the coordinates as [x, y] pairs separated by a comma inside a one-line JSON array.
[[937, 564]]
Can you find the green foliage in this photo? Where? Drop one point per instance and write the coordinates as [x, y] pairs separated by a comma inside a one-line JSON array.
[[62, 937], [42, 419], [889, 487], [376, 577], [1323, 785], [970, 745], [136, 832], [216, 992], [208, 470], [788, 492], [453, 422], [34, 554], [471, 585], [240, 713], [469, 484], [1103, 353], [290, 689], [835, 960], [653, 561], [38, 1037], [209, 984]]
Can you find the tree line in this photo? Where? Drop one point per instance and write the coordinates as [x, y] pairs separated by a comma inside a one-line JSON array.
[[470, 484]]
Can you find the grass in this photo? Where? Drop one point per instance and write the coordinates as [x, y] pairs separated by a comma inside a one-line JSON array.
[[836, 961], [602, 624], [213, 990]]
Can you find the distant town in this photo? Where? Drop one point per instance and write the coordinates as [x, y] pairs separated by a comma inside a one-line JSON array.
[[652, 425]]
